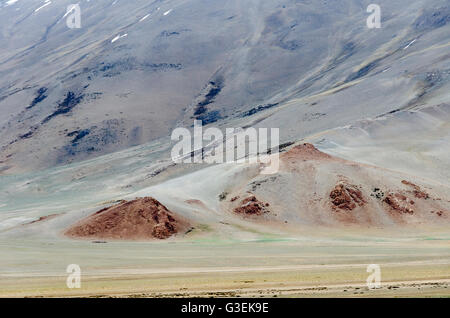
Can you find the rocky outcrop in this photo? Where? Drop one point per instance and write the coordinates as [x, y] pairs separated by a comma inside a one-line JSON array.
[[399, 203], [416, 190], [346, 197], [252, 206]]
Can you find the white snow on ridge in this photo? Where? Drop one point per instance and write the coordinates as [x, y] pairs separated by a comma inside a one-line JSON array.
[[144, 18], [412, 42], [47, 2], [167, 12], [11, 2], [119, 37], [67, 13]]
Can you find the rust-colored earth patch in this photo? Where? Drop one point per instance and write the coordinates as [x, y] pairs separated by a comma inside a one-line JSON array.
[[399, 203], [252, 206], [143, 218], [305, 152], [417, 191], [346, 197]]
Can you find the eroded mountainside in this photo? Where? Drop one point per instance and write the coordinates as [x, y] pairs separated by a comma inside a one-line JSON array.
[[86, 114], [135, 70]]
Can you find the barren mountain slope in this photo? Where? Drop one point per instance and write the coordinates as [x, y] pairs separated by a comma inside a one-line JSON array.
[[313, 188], [137, 69]]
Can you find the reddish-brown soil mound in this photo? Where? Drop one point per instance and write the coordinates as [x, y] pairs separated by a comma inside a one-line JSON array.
[[418, 193], [252, 206], [400, 203], [305, 152], [143, 218], [346, 197]]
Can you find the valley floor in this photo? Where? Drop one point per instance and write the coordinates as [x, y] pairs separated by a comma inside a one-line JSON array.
[[411, 266]]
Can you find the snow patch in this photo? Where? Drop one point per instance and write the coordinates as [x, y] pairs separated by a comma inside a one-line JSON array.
[[47, 2], [11, 2], [411, 43], [119, 37], [144, 18]]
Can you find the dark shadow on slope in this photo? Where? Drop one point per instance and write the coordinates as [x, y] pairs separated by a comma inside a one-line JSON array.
[[258, 109], [432, 19], [66, 105], [41, 95], [215, 87]]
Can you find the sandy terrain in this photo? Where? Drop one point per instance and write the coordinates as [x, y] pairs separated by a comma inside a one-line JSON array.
[[413, 265]]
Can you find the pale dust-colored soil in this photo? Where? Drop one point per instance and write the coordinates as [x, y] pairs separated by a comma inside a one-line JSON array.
[[410, 267]]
